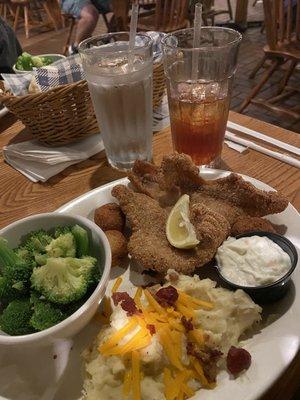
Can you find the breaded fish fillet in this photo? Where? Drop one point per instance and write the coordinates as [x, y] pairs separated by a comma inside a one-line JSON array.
[[230, 196], [148, 243]]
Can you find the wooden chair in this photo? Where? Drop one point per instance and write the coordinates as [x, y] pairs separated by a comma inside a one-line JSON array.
[[147, 4], [209, 12], [169, 16], [146, 7], [282, 24], [25, 7], [6, 9]]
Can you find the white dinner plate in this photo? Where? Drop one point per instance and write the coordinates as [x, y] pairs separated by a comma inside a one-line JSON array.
[[56, 373]]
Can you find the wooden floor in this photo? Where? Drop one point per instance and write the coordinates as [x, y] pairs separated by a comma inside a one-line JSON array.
[[249, 54]]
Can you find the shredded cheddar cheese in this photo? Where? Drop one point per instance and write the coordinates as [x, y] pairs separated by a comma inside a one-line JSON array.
[[117, 284], [169, 349], [187, 390], [192, 301], [127, 383], [154, 304], [136, 377], [167, 383], [116, 337], [137, 297], [196, 335], [185, 311], [140, 340]]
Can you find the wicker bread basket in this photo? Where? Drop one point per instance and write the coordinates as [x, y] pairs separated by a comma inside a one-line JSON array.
[[65, 113]]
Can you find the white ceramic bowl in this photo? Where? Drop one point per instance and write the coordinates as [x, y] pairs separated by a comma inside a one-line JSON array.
[[55, 57], [99, 248]]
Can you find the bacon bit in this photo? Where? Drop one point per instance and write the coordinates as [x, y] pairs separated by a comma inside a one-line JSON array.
[[119, 296], [167, 296], [187, 323], [152, 329], [190, 349], [238, 360], [208, 358], [127, 302]]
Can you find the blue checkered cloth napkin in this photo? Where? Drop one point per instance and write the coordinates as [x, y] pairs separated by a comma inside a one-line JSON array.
[[62, 72], [17, 84]]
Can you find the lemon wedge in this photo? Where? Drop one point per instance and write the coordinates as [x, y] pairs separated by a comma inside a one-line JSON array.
[[179, 229]]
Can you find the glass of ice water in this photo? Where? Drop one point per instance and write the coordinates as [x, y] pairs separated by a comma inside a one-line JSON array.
[[120, 84]]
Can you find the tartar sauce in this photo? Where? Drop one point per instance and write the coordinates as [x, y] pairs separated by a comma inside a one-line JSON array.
[[252, 261]]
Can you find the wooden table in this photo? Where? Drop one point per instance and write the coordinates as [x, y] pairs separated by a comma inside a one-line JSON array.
[[20, 197]]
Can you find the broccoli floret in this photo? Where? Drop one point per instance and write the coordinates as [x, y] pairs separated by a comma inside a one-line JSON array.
[[40, 259], [10, 290], [9, 258], [23, 253], [37, 241], [15, 319], [15, 271], [63, 280], [95, 277], [18, 274], [82, 241], [37, 61], [62, 230], [45, 315], [63, 246], [25, 61], [47, 60]]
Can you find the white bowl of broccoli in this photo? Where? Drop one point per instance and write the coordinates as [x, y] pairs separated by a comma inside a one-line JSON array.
[[54, 270], [26, 62]]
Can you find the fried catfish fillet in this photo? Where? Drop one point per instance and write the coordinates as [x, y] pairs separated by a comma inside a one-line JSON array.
[[231, 196], [249, 224], [148, 244]]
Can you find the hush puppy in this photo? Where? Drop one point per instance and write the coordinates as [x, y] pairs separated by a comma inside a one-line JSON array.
[[109, 217], [118, 245]]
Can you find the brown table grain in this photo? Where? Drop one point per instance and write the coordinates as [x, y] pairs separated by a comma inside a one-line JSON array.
[[20, 197]]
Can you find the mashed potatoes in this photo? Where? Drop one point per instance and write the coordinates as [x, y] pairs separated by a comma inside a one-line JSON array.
[[222, 325]]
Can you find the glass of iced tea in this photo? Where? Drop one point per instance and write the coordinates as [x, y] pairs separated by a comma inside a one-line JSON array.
[[199, 83]]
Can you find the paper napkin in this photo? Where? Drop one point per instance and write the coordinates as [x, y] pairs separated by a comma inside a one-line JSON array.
[[39, 163]]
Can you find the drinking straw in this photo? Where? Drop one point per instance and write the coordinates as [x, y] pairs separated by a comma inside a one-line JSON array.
[[132, 33], [196, 39]]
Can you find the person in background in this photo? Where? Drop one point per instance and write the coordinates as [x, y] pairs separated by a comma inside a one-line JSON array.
[[10, 48], [87, 13]]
